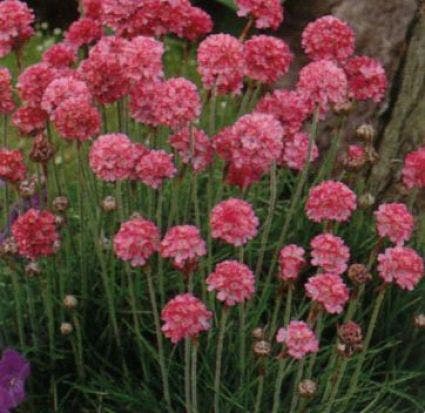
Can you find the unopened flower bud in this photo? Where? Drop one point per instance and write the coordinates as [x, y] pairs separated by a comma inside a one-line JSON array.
[[366, 133], [258, 333], [109, 204], [307, 388], [366, 200], [32, 269], [42, 150], [359, 274], [66, 329], [27, 188], [262, 348], [60, 203], [354, 158], [70, 302], [419, 321], [350, 333]]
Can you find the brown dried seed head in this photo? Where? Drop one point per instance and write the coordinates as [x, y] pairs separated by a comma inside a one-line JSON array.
[[60, 203], [258, 333], [27, 188], [419, 321], [66, 329], [366, 200], [366, 132], [109, 204], [9, 247], [307, 388], [350, 333], [359, 274], [42, 150], [32, 269], [262, 348], [70, 302]]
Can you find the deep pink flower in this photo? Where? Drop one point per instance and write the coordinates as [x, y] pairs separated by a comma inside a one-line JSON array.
[[324, 83], [299, 339], [401, 265], [414, 169], [330, 200], [112, 157], [183, 243], [155, 166], [92, 8], [366, 78], [295, 151], [12, 167], [243, 177], [233, 281], [328, 290], [291, 261], [16, 19], [328, 38], [267, 58], [354, 157], [136, 240], [7, 105], [196, 23], [142, 103], [30, 120], [77, 119], [185, 316], [194, 147], [84, 31], [60, 55], [234, 221], [330, 253], [35, 233], [267, 13], [61, 89], [394, 221], [290, 107], [221, 63], [33, 81], [117, 12]]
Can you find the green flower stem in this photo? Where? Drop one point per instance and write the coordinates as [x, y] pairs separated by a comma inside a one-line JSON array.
[[187, 376], [218, 360], [79, 345], [298, 377], [159, 341], [194, 376], [17, 298], [260, 390], [281, 373]]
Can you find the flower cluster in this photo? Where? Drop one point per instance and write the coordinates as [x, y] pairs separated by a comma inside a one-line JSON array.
[[299, 339], [414, 169], [7, 105], [30, 120], [84, 31], [267, 13], [291, 261], [59, 55], [295, 151], [12, 167], [394, 221]]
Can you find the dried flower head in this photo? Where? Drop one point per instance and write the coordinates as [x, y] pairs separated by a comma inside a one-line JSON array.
[[307, 388], [109, 204], [66, 329], [60, 203], [70, 302], [359, 274], [262, 348]]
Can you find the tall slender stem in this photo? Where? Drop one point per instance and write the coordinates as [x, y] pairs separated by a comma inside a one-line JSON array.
[[218, 359], [187, 392], [298, 377], [194, 376]]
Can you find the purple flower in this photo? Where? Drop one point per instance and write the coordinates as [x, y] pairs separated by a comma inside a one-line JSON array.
[[14, 370]]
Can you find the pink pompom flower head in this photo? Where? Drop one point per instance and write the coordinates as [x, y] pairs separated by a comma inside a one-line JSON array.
[[328, 290], [30, 120], [393, 220], [185, 316], [299, 339], [267, 58], [328, 38], [233, 281], [83, 31], [414, 169], [12, 167], [330, 200], [136, 240], [60, 55], [221, 63], [291, 262], [330, 253], [267, 13], [295, 151], [401, 265], [234, 221], [35, 234], [7, 105], [183, 243]]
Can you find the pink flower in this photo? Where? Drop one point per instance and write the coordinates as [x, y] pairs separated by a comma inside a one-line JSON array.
[[324, 83], [185, 316], [221, 63], [255, 140], [7, 105], [144, 59], [194, 147], [61, 89], [233, 281], [136, 240], [142, 103], [330, 253], [16, 19], [267, 13], [243, 177], [155, 166], [139, 150], [401, 265], [330, 200], [295, 151], [366, 78], [59, 55], [30, 120], [92, 8], [183, 243], [328, 290], [299, 339], [290, 107], [395, 222], [35, 233], [196, 23], [84, 31], [33, 81], [291, 261], [354, 157], [267, 58], [234, 221], [116, 12], [414, 169], [77, 119], [328, 38], [111, 157], [12, 167]]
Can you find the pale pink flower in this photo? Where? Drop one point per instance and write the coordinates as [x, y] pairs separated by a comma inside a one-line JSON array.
[[295, 151], [393, 220], [233, 281], [414, 169], [291, 262], [267, 13], [299, 339]]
